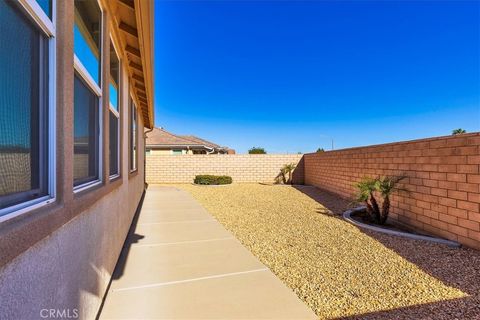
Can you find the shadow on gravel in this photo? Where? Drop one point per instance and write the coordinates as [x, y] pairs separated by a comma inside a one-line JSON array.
[[465, 308], [455, 267], [330, 203]]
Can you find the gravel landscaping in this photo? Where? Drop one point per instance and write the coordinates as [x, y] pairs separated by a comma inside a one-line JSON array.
[[339, 270]]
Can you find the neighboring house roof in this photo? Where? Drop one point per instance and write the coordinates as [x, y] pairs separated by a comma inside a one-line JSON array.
[[201, 141], [162, 138]]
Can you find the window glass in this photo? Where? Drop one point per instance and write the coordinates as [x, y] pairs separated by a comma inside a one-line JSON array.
[[46, 6], [85, 158], [133, 137], [113, 144], [177, 151], [114, 111], [23, 108], [86, 36], [114, 77]]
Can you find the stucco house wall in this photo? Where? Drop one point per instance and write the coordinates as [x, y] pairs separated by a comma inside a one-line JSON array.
[[61, 256]]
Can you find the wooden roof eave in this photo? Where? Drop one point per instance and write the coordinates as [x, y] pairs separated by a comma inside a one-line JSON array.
[[144, 16], [134, 19]]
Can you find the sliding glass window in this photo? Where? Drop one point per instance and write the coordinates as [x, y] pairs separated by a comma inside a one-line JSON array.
[[87, 92], [46, 6], [133, 136], [26, 107], [86, 131], [114, 110]]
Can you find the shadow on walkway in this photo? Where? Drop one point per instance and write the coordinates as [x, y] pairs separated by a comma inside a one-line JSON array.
[[132, 237]]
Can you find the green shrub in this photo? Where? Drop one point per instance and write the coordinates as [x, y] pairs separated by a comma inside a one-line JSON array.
[[207, 179]]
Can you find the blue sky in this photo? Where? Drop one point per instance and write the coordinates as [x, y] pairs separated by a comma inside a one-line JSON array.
[[290, 76]]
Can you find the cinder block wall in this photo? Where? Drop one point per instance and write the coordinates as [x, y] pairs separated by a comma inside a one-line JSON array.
[[443, 180], [241, 167]]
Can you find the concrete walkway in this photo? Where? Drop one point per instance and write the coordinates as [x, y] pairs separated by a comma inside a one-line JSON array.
[[180, 263]]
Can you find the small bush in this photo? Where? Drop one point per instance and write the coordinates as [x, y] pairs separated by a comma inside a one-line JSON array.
[[207, 179]]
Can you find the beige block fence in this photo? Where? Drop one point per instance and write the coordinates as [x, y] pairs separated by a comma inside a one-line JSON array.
[[241, 167]]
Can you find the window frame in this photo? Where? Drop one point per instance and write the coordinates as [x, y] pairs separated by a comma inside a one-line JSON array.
[[96, 90], [46, 26], [133, 156], [115, 112]]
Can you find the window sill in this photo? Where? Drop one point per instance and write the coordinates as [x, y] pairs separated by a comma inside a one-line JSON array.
[[133, 173], [22, 208], [86, 186], [114, 177], [21, 231]]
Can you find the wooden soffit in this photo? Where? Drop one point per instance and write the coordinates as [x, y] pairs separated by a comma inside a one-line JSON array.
[[131, 24]]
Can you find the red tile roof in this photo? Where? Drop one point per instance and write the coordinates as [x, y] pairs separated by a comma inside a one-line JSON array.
[[161, 137]]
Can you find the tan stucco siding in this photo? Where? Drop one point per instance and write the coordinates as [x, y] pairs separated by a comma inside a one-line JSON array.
[[61, 256]]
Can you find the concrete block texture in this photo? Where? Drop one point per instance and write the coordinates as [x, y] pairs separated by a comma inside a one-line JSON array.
[[243, 168], [442, 179]]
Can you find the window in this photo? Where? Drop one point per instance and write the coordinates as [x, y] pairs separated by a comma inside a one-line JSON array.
[[177, 152], [85, 145], [87, 36], [133, 136], [26, 108], [46, 6], [87, 111], [114, 117]]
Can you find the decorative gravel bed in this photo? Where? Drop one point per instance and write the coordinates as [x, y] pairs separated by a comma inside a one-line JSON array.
[[339, 270]]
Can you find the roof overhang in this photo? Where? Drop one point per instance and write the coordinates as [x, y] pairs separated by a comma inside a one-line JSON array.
[[132, 29]]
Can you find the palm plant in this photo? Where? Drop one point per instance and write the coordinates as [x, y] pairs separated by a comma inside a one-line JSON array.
[[281, 177], [367, 188], [288, 168], [386, 186], [458, 131]]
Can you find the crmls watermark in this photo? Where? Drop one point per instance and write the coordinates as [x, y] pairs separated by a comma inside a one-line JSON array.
[[59, 313]]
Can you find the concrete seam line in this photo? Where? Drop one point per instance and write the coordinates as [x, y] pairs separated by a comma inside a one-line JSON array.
[[173, 222], [180, 242], [161, 284], [347, 216]]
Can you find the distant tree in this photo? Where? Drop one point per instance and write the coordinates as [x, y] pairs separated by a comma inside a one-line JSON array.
[[320, 150], [299, 152], [458, 131], [257, 150]]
